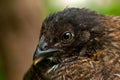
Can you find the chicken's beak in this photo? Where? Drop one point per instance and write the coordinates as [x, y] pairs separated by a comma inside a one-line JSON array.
[[42, 52], [39, 55]]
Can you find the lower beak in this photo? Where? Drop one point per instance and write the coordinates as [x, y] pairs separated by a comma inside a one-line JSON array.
[[39, 55]]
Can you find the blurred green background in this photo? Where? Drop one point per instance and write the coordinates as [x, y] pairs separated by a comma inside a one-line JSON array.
[[107, 7]]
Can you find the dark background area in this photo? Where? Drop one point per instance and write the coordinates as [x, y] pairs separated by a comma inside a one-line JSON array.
[[20, 22]]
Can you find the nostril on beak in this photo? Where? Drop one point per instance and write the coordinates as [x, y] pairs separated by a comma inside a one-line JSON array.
[[44, 46]]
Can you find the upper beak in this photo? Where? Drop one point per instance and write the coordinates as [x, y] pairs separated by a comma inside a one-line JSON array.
[[42, 52]]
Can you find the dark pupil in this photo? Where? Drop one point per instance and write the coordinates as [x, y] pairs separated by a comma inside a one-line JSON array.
[[66, 36]]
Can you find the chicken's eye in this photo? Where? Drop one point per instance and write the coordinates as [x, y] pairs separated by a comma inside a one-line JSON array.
[[67, 36]]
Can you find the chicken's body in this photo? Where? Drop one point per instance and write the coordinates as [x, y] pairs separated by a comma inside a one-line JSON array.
[[103, 63]]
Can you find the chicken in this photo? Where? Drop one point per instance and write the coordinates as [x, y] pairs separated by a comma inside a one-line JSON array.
[[77, 44]]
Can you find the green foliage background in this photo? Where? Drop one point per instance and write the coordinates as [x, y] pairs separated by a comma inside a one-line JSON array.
[[107, 7]]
